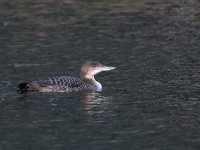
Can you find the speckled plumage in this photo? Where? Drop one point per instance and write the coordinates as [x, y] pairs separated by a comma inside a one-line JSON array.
[[59, 84]]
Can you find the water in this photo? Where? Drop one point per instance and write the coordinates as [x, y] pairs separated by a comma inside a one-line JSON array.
[[151, 101]]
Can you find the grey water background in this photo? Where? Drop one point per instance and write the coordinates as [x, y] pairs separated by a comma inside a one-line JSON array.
[[151, 101]]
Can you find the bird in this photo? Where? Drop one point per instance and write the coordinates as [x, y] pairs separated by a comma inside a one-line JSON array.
[[86, 82]]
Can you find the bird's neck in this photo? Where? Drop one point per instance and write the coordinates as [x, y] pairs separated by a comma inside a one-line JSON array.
[[90, 80]]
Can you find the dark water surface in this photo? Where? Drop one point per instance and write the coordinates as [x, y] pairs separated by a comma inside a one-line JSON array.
[[151, 101]]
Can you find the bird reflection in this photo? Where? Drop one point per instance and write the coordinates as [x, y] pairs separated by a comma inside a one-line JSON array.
[[95, 104]]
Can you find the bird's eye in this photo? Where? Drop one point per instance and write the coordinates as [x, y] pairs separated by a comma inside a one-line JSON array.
[[93, 66]]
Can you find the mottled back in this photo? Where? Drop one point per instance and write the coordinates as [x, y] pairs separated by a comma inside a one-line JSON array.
[[59, 84]]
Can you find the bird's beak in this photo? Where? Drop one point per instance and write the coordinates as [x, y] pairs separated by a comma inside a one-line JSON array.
[[107, 68]]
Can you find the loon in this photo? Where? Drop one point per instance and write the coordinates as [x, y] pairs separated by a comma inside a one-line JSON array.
[[86, 82]]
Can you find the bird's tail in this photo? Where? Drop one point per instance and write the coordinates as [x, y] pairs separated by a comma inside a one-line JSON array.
[[23, 87]]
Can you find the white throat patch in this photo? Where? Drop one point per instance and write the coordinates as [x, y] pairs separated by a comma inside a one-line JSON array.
[[97, 86]]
